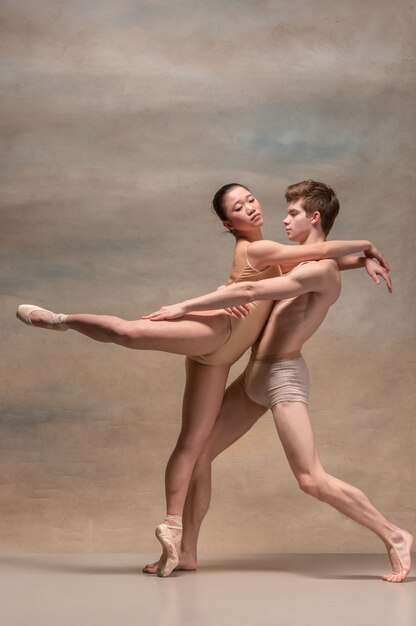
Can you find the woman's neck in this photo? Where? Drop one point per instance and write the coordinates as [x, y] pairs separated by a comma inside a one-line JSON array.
[[256, 235]]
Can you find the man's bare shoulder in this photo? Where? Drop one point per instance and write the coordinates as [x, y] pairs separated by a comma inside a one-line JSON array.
[[322, 276], [329, 278], [324, 267], [328, 266]]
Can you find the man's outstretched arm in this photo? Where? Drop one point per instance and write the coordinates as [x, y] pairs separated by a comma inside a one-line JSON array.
[[304, 279]]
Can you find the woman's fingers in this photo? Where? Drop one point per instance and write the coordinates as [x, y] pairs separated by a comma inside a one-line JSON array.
[[166, 313]]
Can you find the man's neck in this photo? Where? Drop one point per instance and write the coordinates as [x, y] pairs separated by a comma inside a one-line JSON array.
[[314, 236]]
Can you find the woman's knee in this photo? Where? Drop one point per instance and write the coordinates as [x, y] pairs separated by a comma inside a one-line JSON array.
[[128, 334], [202, 464]]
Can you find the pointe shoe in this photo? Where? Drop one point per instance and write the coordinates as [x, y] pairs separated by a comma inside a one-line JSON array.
[[56, 322], [168, 541]]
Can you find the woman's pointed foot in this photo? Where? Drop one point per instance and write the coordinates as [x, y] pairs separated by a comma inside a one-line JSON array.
[[169, 535], [32, 315], [168, 538]]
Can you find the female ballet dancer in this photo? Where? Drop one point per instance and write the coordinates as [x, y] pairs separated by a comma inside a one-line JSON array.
[[212, 341]]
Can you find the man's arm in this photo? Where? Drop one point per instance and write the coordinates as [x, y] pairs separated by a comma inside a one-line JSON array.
[[373, 269], [264, 253], [305, 279]]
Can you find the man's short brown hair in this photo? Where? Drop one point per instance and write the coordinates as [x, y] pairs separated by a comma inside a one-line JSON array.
[[315, 197]]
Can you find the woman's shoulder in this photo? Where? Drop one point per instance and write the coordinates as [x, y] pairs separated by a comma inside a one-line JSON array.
[[239, 259], [240, 252]]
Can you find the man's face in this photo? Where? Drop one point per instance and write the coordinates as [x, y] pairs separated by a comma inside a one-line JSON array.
[[297, 223]]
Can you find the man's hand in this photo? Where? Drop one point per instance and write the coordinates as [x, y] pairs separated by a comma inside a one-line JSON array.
[[166, 313], [373, 253], [375, 270]]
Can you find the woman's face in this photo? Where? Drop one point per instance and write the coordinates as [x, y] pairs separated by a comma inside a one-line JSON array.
[[243, 211]]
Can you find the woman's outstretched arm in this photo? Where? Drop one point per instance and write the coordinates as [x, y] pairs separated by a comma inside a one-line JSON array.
[[264, 253], [375, 271]]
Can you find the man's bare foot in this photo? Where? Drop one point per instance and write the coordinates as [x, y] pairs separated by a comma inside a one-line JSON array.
[[186, 564], [400, 557]]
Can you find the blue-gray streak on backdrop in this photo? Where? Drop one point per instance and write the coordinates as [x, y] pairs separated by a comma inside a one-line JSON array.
[[120, 120]]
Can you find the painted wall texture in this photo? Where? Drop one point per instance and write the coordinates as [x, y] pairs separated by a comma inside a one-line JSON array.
[[119, 122]]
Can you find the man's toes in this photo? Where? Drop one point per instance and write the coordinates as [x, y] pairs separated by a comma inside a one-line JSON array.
[[393, 578]]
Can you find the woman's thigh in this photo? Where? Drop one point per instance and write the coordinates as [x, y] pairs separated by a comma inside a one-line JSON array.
[[203, 396], [191, 334]]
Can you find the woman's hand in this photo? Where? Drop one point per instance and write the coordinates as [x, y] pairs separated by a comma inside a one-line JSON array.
[[169, 312], [239, 311], [373, 253], [374, 270]]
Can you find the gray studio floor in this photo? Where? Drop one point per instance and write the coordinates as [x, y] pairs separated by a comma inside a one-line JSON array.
[[109, 590]]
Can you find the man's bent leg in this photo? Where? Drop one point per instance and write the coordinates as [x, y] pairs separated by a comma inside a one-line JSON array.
[[295, 431], [237, 416]]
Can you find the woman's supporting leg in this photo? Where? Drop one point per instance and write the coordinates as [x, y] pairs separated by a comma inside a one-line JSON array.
[[295, 431], [204, 391], [191, 334], [237, 415], [203, 396]]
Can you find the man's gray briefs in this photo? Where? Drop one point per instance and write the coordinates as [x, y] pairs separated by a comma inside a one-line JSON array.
[[270, 380]]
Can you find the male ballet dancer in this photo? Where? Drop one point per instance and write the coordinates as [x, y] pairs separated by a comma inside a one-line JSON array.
[[277, 378]]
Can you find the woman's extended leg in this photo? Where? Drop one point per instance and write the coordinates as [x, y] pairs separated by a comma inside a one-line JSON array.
[[192, 334]]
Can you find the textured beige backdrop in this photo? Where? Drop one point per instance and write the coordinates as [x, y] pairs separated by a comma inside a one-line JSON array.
[[120, 120]]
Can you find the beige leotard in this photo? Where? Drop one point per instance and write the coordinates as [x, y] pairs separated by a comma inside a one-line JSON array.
[[243, 331]]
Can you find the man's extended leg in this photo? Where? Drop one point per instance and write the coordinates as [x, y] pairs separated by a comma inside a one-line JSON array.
[[237, 415], [295, 431]]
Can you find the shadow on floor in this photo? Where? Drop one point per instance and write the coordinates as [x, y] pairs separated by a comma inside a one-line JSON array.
[[318, 566]]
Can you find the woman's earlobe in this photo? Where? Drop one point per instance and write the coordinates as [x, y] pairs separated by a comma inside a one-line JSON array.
[[228, 225]]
